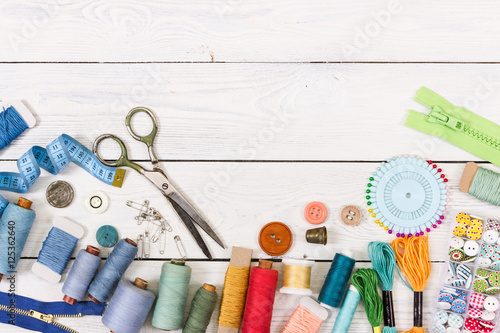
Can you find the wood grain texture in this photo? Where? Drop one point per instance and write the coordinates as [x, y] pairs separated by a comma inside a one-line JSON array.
[[249, 31], [320, 112], [213, 273]]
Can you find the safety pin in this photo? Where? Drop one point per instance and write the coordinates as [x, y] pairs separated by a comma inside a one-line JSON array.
[[156, 234], [142, 208], [140, 247], [180, 247], [163, 240], [146, 244]]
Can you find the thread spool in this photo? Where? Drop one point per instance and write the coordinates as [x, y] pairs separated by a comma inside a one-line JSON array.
[[347, 311], [129, 307], [14, 120], [81, 274], [336, 280], [202, 307], [18, 220], [481, 183], [308, 317], [172, 293], [57, 249], [297, 278], [260, 298], [108, 277]]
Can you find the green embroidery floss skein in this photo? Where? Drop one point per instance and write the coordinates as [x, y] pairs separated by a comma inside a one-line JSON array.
[[202, 307], [366, 282], [172, 293]]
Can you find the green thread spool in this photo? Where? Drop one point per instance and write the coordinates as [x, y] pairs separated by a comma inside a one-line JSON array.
[[172, 293], [481, 183], [202, 307]]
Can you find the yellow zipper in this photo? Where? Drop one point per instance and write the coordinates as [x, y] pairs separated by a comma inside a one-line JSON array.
[[48, 318]]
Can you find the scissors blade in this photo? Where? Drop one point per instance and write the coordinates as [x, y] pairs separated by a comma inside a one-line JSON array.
[[191, 227], [179, 199]]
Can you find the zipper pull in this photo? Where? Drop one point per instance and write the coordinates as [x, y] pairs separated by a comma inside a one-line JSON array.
[[42, 316], [437, 115]]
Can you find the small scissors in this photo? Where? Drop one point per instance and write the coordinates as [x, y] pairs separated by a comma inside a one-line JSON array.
[[157, 176]]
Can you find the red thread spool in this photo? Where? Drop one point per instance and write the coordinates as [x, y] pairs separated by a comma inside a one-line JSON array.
[[260, 298]]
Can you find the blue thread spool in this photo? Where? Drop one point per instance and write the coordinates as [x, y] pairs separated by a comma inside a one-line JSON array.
[[81, 274], [57, 249], [110, 274], [172, 293], [14, 120], [129, 307], [346, 313], [15, 226], [336, 281]]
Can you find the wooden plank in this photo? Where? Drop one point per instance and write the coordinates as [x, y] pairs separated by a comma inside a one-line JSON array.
[[326, 112], [213, 273], [249, 31], [238, 209]]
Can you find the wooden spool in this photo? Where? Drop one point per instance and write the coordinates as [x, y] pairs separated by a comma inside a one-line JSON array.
[[468, 176]]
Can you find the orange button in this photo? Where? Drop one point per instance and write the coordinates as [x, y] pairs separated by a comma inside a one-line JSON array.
[[315, 212], [275, 238]]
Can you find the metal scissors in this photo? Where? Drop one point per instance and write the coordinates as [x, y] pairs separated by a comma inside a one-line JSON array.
[[157, 176]]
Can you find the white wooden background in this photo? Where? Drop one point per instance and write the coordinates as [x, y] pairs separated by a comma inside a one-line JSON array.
[[263, 107]]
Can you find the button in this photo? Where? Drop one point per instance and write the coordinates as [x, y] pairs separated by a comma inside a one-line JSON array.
[[315, 212], [457, 243], [96, 202], [474, 313], [490, 236], [275, 238], [438, 328], [488, 315], [484, 262], [351, 215], [444, 305], [455, 320], [471, 248], [453, 330], [107, 236], [491, 303], [441, 317]]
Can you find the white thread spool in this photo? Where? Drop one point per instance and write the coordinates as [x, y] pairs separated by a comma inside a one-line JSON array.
[[289, 267]]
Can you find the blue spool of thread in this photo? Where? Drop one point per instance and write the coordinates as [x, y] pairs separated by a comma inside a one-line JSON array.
[[129, 307], [57, 249], [336, 281], [172, 293], [14, 123], [346, 313], [110, 274], [81, 274], [15, 226]]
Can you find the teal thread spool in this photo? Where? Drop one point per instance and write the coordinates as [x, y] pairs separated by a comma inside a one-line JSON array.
[[15, 226], [172, 293], [336, 281], [347, 311], [202, 307]]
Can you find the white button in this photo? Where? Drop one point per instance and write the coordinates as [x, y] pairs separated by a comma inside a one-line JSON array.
[[491, 303], [444, 305], [96, 202], [456, 243], [452, 330], [471, 248], [488, 315], [490, 237], [484, 262]]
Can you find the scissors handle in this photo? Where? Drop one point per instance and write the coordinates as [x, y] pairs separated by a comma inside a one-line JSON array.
[[148, 139], [122, 161]]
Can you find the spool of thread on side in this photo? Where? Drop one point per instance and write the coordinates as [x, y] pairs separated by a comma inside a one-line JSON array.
[[337, 279], [129, 307], [308, 317], [172, 293], [481, 183], [297, 278], [17, 219], [347, 311], [81, 274], [108, 277], [260, 298], [57, 249], [202, 307], [15, 118]]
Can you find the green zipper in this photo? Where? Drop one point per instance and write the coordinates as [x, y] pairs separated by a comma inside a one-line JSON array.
[[48, 318], [457, 125]]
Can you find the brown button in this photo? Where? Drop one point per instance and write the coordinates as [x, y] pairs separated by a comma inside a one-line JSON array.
[[275, 238], [351, 215]]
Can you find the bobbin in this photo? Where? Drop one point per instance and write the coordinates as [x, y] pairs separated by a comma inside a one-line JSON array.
[[293, 290], [22, 109], [69, 227], [93, 251]]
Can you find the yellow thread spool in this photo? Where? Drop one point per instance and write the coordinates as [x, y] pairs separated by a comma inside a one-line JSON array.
[[297, 278], [233, 299]]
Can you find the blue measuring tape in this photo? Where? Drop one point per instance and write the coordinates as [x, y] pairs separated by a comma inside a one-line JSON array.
[[53, 159]]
